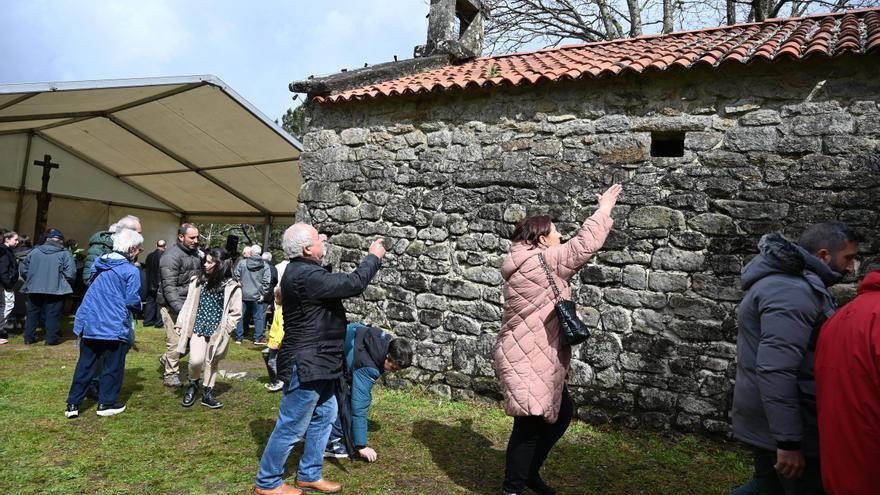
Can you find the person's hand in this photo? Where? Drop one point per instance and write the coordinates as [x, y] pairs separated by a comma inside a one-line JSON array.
[[608, 199], [369, 454], [272, 345], [260, 300], [790, 463], [378, 248], [177, 331]]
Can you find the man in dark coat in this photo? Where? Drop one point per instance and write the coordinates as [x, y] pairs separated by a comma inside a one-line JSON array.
[[8, 279], [180, 263], [151, 267], [48, 272], [310, 358], [774, 402], [848, 393]]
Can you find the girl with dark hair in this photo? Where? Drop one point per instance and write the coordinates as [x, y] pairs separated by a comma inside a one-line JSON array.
[[531, 360], [206, 321]]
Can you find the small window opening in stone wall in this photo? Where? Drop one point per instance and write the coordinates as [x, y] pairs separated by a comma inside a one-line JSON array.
[[667, 144]]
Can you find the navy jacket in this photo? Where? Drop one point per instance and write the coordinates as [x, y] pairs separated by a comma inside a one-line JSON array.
[[314, 317], [114, 292], [786, 302], [48, 269]]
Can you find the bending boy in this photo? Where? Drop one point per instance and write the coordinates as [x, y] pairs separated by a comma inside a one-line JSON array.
[[369, 352]]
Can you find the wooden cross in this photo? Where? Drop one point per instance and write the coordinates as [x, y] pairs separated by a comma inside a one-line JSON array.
[[43, 198]]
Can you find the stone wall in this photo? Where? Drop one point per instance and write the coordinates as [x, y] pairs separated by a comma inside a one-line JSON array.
[[444, 178]]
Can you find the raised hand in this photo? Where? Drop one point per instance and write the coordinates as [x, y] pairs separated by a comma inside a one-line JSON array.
[[608, 199], [378, 248]]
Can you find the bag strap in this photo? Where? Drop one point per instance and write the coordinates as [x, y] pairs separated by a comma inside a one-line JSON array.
[[549, 276]]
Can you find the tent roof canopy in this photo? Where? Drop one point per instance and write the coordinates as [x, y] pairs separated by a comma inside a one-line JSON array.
[[190, 143]]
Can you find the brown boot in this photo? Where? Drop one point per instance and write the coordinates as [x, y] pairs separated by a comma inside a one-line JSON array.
[[321, 485], [284, 489]]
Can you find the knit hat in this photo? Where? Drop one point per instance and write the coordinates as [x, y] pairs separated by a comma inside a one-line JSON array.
[[54, 234]]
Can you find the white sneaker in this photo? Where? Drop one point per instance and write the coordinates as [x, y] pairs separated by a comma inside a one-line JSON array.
[[274, 386]]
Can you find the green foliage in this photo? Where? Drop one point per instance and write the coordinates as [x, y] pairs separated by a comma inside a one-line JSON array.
[[294, 121], [426, 445]]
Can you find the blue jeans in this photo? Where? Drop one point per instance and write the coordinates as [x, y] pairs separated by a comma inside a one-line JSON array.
[[255, 310], [93, 354], [45, 307], [306, 409]]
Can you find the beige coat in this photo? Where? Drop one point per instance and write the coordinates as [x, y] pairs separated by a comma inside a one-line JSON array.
[[531, 361], [219, 341]]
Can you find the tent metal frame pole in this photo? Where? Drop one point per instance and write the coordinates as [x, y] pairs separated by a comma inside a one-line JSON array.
[[103, 168], [183, 161], [19, 205], [217, 167], [267, 230]]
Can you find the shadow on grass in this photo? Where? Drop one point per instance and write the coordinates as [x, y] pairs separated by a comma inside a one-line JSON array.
[[466, 456]]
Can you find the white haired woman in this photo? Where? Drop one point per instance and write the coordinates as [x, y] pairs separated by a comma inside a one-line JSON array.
[[104, 324]]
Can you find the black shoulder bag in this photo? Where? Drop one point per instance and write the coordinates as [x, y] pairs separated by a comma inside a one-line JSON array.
[[574, 331]]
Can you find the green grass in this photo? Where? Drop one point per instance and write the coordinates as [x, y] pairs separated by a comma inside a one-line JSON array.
[[426, 445]]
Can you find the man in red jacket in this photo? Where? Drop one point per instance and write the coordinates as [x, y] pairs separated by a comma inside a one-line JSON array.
[[848, 393]]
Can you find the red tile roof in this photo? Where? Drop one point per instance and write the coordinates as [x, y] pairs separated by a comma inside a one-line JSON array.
[[856, 31]]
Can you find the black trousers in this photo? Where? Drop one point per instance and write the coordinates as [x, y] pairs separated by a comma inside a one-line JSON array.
[[530, 442], [767, 481], [109, 355], [152, 318]]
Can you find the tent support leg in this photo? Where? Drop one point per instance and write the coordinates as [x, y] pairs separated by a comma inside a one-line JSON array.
[[24, 168], [267, 230]]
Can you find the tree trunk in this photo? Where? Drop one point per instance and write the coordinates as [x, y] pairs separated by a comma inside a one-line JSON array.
[[611, 31], [731, 12], [667, 16], [635, 18]]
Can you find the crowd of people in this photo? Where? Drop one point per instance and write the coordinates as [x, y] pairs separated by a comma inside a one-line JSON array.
[[807, 384]]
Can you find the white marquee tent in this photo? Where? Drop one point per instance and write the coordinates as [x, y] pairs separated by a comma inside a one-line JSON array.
[[164, 149]]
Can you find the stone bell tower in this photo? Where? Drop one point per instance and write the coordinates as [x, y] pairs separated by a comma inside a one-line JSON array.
[[455, 28]]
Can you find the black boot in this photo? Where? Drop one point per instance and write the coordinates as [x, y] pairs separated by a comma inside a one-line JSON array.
[[539, 487], [209, 400], [189, 397]]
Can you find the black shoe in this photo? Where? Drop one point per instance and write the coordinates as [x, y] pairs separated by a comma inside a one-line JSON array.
[[208, 399], [110, 409], [189, 397], [72, 411], [538, 486]]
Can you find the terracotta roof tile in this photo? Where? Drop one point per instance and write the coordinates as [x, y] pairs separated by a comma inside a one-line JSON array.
[[856, 31]]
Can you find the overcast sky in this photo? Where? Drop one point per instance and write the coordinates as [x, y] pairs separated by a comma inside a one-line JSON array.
[[257, 48]]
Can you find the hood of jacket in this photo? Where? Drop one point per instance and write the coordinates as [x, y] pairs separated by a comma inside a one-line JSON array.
[[110, 261], [519, 254], [104, 238], [50, 247], [254, 263], [779, 255], [871, 283]]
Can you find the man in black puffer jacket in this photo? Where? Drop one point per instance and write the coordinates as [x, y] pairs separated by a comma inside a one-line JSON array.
[[180, 263], [310, 357], [774, 400]]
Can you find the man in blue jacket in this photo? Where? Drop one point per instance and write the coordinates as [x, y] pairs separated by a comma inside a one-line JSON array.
[[48, 272], [369, 352], [104, 324], [310, 358]]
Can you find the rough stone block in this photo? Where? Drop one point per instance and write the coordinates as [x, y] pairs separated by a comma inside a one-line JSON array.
[[622, 148], [600, 274], [612, 123], [354, 136], [752, 138], [455, 288], [697, 308], [823, 124], [702, 141], [656, 217], [635, 277], [761, 117], [670, 258], [753, 210], [461, 324], [668, 282]]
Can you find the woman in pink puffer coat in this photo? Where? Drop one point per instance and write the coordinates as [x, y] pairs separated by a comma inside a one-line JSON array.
[[530, 359]]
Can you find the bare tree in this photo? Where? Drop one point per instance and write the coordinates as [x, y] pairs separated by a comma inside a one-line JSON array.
[[517, 24]]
